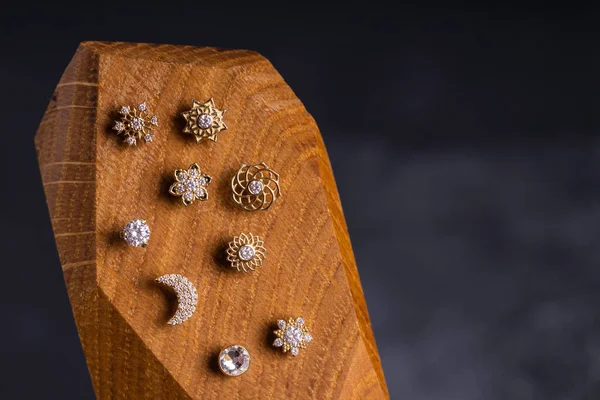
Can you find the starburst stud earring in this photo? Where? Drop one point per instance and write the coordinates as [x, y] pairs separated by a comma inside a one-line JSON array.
[[292, 335], [204, 120], [136, 233], [136, 123], [255, 187], [190, 184], [246, 252]]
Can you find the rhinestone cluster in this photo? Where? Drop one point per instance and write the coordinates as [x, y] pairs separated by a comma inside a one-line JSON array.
[[190, 185], [136, 233], [292, 335], [187, 296]]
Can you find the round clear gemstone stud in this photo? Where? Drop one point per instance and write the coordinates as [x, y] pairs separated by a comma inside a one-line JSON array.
[[136, 233], [205, 121], [130, 140], [234, 360], [255, 187], [246, 252]]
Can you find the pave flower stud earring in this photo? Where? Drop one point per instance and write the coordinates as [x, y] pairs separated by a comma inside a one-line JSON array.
[[135, 124], [187, 296], [204, 120], [255, 187], [190, 185], [234, 360], [292, 335], [246, 252], [136, 233]]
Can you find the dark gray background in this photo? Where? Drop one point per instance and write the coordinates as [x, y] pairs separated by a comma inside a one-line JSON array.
[[465, 145]]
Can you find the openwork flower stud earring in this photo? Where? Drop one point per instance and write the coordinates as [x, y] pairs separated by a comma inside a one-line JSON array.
[[246, 252], [190, 184], [292, 335], [234, 360], [136, 124], [204, 120], [187, 297], [255, 187], [136, 233]]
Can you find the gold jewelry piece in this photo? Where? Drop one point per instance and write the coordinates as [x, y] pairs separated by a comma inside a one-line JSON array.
[[234, 360], [292, 335], [204, 120], [246, 252], [136, 233], [190, 184], [187, 297], [136, 124], [255, 187]]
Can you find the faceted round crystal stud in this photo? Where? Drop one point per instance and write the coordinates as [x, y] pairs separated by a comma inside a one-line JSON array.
[[234, 360], [292, 335], [136, 233]]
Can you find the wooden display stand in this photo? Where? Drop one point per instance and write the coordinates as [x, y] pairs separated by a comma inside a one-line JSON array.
[[95, 184]]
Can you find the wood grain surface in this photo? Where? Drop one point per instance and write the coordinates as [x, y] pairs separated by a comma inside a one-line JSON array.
[[95, 184]]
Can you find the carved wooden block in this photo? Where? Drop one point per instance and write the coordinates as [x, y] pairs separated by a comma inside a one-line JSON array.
[[95, 184]]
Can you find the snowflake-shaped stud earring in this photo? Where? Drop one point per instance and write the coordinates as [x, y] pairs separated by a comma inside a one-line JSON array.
[[292, 335], [204, 120], [136, 123], [190, 184]]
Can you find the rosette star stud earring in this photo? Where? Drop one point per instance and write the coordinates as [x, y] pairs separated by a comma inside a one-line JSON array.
[[136, 233], [246, 252], [187, 296], [234, 360], [204, 120], [190, 185], [136, 123], [255, 187], [292, 335]]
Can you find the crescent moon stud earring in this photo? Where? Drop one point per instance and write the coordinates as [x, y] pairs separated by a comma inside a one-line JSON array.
[[187, 297], [255, 187], [136, 233]]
